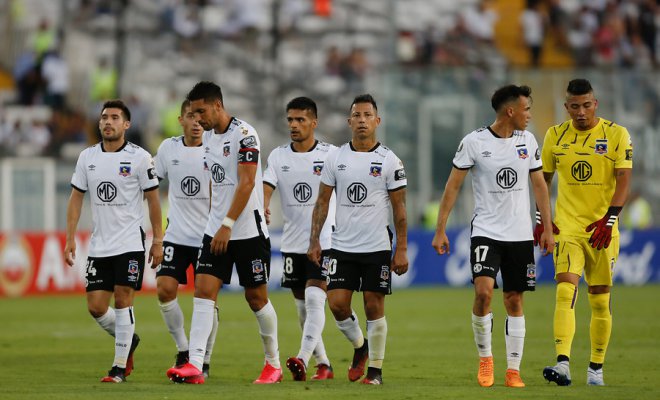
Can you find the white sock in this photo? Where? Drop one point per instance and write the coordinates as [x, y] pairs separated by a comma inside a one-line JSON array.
[[377, 335], [107, 321], [350, 327], [173, 316], [200, 329], [514, 330], [211, 342], [483, 330], [314, 323], [267, 319], [124, 329], [302, 312]]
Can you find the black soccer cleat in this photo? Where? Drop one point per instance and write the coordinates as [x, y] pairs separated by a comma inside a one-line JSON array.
[[205, 370], [374, 376], [115, 375]]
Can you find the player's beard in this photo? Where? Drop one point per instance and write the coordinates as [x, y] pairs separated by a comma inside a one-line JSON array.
[[113, 136]]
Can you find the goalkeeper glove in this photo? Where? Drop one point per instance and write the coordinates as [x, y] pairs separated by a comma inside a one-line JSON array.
[[602, 228], [538, 229]]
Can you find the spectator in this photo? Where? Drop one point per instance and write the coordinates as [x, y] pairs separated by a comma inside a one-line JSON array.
[[55, 72], [103, 81], [532, 22]]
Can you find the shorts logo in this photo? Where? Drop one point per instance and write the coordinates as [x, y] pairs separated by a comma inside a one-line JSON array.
[[302, 192], [522, 152], [257, 266], [376, 170], [384, 272], [106, 191], [133, 270], [125, 170], [601, 146], [226, 150], [218, 173], [477, 268], [356, 192], [581, 171], [507, 178], [190, 186], [531, 271]]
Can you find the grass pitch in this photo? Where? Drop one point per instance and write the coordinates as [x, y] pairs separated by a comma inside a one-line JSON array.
[[50, 348]]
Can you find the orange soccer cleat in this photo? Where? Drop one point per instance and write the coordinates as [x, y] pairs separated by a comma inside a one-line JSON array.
[[485, 376]]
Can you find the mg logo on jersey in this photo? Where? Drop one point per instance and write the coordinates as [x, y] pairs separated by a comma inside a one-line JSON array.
[[218, 173], [506, 178], [581, 171], [106, 191], [190, 186], [356, 192], [302, 192]]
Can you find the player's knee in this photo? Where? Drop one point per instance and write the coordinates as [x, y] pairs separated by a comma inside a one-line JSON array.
[[483, 297], [97, 310], [166, 294], [340, 311]]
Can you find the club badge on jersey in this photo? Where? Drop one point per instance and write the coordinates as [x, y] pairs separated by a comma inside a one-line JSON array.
[[376, 170], [601, 146], [317, 168], [522, 152], [125, 170]]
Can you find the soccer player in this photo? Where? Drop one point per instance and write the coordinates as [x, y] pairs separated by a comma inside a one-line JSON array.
[[181, 160], [235, 233], [296, 169], [118, 175], [367, 177], [504, 158], [593, 158]]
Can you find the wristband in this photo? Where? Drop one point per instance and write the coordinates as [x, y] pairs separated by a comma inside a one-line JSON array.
[[228, 222]]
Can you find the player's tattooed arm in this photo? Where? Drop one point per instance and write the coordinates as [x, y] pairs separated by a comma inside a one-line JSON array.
[[318, 219], [400, 259]]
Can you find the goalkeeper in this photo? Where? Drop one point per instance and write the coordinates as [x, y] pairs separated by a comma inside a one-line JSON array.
[[593, 159]]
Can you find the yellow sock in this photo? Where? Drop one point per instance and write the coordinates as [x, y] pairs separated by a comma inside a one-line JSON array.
[[600, 327], [564, 327]]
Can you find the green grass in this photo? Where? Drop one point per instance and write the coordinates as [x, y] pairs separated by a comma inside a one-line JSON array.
[[51, 348]]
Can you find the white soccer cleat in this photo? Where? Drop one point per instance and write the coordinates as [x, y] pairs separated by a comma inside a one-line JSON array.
[[595, 377]]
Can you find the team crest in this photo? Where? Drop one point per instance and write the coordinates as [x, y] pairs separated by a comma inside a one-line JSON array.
[[522, 153], [376, 170], [125, 170], [317, 169], [385, 272], [133, 267], [257, 266], [531, 271], [601, 146], [226, 151]]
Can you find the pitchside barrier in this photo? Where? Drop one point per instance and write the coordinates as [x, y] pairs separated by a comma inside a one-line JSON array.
[[32, 263]]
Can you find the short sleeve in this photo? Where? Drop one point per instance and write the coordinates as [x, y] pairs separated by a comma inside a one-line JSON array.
[[270, 177], [624, 157], [462, 158], [328, 174], [547, 157], [147, 173], [535, 162], [79, 178], [396, 174], [161, 162]]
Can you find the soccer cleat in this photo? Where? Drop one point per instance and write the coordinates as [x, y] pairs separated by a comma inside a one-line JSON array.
[[485, 377], [115, 375], [129, 360], [181, 359], [297, 368], [323, 372], [595, 377], [187, 373], [360, 357], [560, 374], [374, 377], [205, 370], [513, 379], [269, 375]]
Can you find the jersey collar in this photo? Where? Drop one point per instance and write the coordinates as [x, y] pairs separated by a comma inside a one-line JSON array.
[[118, 150], [183, 140], [370, 150], [308, 151]]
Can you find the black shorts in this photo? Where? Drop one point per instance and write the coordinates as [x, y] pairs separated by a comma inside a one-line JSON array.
[[515, 260], [176, 260], [104, 273], [251, 256], [361, 272], [297, 270]]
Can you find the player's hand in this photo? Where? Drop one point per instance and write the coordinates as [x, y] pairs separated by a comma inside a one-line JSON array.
[[399, 264], [547, 243], [440, 243], [267, 215], [220, 240], [156, 254], [70, 252], [602, 228], [538, 229], [314, 252]]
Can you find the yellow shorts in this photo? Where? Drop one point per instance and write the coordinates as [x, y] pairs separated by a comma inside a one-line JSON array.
[[575, 255]]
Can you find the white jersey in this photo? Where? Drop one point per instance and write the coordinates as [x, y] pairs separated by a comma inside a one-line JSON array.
[[362, 181], [188, 194], [500, 181], [223, 152], [116, 182], [298, 176]]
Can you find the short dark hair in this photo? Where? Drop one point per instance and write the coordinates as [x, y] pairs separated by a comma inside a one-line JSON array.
[[302, 103], [364, 98], [578, 87], [117, 104], [508, 93], [205, 90], [185, 104]]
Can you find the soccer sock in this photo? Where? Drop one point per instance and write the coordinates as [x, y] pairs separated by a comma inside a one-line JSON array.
[[200, 329], [377, 336], [214, 331], [350, 327], [600, 327], [124, 330], [267, 319], [564, 321], [302, 313], [483, 331], [173, 316], [314, 323], [107, 321], [515, 341]]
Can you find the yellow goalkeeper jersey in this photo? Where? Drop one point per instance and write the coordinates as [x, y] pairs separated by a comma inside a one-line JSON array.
[[585, 163]]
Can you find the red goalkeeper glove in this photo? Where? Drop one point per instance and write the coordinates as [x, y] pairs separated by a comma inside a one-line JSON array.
[[602, 228], [538, 229]]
